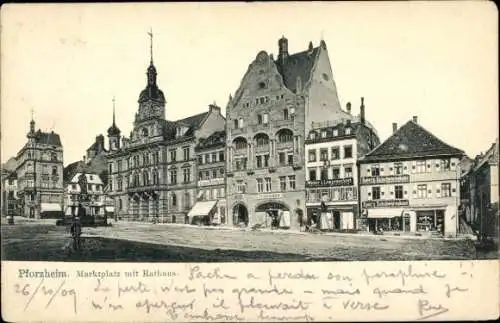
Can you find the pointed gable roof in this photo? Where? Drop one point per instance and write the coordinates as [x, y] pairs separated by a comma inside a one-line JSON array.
[[192, 123], [297, 65], [411, 141]]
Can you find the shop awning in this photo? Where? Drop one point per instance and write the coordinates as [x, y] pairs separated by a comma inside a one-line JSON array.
[[202, 208], [109, 208], [50, 207], [384, 213]]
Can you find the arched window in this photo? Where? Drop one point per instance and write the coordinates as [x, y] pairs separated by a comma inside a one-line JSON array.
[[240, 143], [236, 124], [54, 170], [261, 140], [53, 156], [144, 132], [285, 135], [145, 178]]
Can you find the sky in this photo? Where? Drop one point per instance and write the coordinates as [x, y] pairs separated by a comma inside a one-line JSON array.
[[437, 61]]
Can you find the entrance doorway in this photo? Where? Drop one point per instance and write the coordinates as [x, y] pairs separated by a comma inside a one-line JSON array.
[[240, 215], [336, 220], [277, 214]]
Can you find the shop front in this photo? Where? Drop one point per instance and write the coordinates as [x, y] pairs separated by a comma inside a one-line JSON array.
[[332, 217], [274, 215]]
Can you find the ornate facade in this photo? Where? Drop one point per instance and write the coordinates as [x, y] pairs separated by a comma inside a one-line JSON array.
[[39, 169]]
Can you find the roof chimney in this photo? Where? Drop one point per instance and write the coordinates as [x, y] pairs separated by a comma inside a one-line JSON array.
[[394, 127], [362, 110], [415, 119], [283, 48], [213, 108], [310, 46], [348, 107]]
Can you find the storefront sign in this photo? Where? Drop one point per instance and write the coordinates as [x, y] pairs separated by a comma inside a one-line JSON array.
[[385, 203], [393, 179], [270, 196], [331, 182], [210, 182]]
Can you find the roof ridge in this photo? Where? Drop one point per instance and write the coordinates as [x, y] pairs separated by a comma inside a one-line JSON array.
[[436, 137], [392, 135]]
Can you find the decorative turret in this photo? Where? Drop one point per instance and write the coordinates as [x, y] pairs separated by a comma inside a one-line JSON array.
[[151, 92], [31, 133], [114, 132]]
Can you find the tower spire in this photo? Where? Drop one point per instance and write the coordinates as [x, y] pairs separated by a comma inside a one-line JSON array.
[[150, 33], [114, 110]]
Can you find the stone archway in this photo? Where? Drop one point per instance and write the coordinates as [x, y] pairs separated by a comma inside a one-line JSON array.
[[240, 215]]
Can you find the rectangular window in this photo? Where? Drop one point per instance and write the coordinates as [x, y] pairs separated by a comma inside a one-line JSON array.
[[268, 184], [214, 173], [259, 161], [241, 163], [445, 165], [312, 174], [398, 191], [221, 156], [283, 183], [119, 165], [398, 168], [187, 175], [376, 193], [422, 190], [291, 182], [335, 153], [173, 176], [207, 174], [445, 190], [200, 159], [323, 154], [285, 114], [222, 172], [259, 119], [207, 158], [335, 173], [282, 158], [347, 151], [214, 157], [265, 118], [240, 187], [186, 153], [324, 174], [266, 161], [260, 185], [312, 155], [173, 155], [420, 166], [347, 171], [290, 159], [375, 170], [110, 168], [200, 176], [222, 192]]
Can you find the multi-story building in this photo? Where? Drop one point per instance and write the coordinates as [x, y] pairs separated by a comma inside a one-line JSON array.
[[210, 207], [151, 174], [10, 200], [267, 122], [332, 151], [86, 190], [410, 183], [39, 169], [483, 194]]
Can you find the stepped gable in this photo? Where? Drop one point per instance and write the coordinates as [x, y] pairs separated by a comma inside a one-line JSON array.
[[411, 141]]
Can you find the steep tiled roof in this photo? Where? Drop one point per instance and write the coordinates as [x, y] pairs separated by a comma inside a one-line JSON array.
[[48, 138], [297, 65], [192, 122], [71, 169], [410, 141], [218, 138]]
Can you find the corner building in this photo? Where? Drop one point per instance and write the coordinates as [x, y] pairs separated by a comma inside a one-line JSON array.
[[410, 183], [272, 110]]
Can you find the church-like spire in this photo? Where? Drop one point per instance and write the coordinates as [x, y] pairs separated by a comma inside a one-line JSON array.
[[151, 92], [150, 33], [32, 124], [113, 130]]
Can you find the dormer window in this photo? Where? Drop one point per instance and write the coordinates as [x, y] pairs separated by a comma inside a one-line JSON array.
[[262, 85], [144, 132]]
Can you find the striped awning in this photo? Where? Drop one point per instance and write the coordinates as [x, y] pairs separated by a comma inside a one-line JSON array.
[[202, 208], [384, 213]]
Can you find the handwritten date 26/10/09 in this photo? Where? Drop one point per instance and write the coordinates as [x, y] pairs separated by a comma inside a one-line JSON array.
[[50, 292]]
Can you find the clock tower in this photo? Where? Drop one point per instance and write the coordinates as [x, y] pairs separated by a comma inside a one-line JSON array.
[[151, 115]]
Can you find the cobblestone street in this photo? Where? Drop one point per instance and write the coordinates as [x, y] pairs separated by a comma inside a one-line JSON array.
[[147, 242]]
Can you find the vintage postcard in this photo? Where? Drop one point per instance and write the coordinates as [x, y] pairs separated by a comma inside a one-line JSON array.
[[272, 162]]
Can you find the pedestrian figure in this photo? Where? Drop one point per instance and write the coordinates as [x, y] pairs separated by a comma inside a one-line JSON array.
[[76, 232]]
